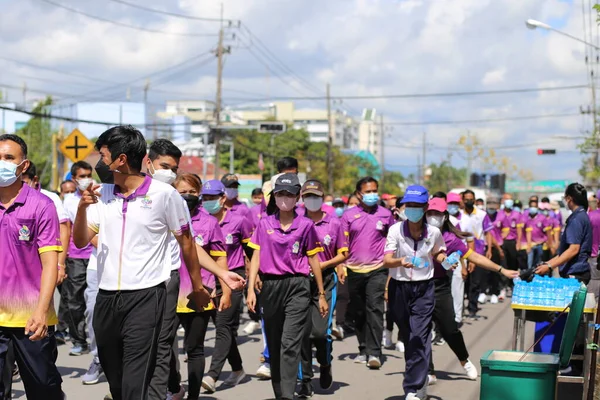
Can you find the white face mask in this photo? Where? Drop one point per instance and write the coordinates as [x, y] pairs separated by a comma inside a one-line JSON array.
[[313, 203], [83, 183], [164, 175], [435, 220]]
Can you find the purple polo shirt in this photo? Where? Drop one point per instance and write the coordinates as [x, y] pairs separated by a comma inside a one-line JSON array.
[[285, 252], [497, 231], [509, 223], [207, 234], [595, 221], [239, 208], [71, 204], [539, 227], [28, 228], [453, 244], [236, 230], [366, 232], [331, 235]]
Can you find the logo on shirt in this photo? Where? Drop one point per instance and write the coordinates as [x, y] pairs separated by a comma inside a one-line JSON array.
[[296, 248], [199, 240], [147, 202], [356, 215], [379, 226], [24, 234], [229, 239], [513, 224], [327, 240], [539, 225], [270, 231]]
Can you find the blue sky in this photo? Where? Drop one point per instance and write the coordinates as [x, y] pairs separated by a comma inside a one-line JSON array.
[[361, 47]]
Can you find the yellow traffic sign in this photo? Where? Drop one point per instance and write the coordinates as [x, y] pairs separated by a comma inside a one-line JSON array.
[[76, 146]]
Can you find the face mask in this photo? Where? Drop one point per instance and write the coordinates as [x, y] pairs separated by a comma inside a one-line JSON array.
[[285, 203], [414, 214], [339, 212], [83, 183], [469, 203], [546, 212], [212, 206], [435, 220], [191, 201], [492, 211], [231, 194], [104, 172], [370, 199], [480, 207], [401, 215], [8, 173], [164, 175], [68, 195], [313, 203], [517, 209], [453, 209], [509, 203], [533, 210], [329, 203]]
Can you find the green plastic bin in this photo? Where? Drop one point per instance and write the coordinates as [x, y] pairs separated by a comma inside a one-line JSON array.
[[504, 377]]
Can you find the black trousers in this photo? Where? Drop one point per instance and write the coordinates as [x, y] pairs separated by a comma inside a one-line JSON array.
[[63, 312], [522, 259], [127, 326], [36, 361], [342, 309], [367, 299], [228, 322], [7, 375], [445, 323], [318, 329], [73, 290], [510, 254], [285, 305]]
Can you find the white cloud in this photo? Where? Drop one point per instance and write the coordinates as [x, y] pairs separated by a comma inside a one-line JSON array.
[[494, 76]]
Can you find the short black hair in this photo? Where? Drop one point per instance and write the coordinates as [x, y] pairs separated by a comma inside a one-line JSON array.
[[578, 193], [256, 192], [518, 203], [163, 147], [17, 139], [126, 140], [466, 192], [399, 201], [545, 200], [480, 199], [533, 201], [31, 172], [80, 165], [364, 181], [63, 182], [439, 195], [287, 163]]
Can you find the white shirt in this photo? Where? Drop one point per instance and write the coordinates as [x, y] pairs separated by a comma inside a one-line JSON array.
[[404, 246], [473, 223], [60, 210], [174, 244], [133, 234]]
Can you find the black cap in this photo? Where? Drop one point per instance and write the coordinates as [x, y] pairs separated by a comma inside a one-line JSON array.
[[230, 181], [338, 200], [288, 183]]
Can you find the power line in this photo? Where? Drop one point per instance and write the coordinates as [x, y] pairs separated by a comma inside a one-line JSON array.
[[171, 14], [71, 74], [476, 121], [139, 28]]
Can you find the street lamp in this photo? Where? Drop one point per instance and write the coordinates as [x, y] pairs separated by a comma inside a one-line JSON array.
[[533, 24]]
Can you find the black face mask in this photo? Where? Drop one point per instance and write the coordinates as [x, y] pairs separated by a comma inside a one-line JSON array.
[[104, 173], [469, 204], [191, 200]]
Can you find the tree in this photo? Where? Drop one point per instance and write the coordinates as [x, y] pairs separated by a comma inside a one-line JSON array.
[[445, 177], [391, 183]]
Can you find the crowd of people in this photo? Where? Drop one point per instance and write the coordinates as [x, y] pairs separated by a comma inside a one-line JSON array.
[[140, 255]]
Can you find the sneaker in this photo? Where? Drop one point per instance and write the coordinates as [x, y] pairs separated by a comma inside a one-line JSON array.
[[374, 362], [176, 396], [439, 340], [235, 378], [482, 298], [386, 341], [338, 332], [431, 380], [181, 330], [264, 371], [325, 377], [306, 391], [60, 337], [209, 384], [92, 376], [15, 370], [360, 359], [108, 397], [400, 347], [472, 315], [502, 295], [251, 327], [471, 370], [412, 396], [494, 299], [78, 350]]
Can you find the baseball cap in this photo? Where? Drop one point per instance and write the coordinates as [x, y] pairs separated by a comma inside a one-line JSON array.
[[213, 187], [338, 200], [415, 194], [453, 198], [437, 204], [312, 187], [288, 183], [230, 180]]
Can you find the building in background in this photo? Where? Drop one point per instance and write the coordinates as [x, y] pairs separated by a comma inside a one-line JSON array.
[[12, 121], [369, 136]]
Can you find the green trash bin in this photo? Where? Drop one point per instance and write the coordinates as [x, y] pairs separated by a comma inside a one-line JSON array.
[[504, 377]]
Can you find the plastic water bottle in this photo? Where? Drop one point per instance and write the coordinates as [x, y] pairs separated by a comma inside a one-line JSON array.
[[419, 262], [452, 259], [517, 291]]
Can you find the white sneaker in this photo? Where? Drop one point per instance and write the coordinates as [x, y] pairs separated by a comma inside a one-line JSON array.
[[209, 384], [432, 380], [251, 327], [412, 396], [264, 371], [360, 359], [386, 341], [176, 396], [374, 362], [494, 299], [502, 295], [400, 347], [482, 298], [338, 332], [235, 378], [471, 370]]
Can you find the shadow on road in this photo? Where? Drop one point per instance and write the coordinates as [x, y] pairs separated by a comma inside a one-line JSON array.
[[450, 376], [71, 372]]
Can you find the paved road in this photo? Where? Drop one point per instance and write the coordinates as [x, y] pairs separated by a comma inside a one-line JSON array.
[[352, 381]]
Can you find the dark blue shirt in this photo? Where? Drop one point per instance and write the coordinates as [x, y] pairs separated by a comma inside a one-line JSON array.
[[578, 230]]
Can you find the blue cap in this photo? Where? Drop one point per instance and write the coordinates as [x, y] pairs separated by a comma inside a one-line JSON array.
[[213, 187], [415, 194]]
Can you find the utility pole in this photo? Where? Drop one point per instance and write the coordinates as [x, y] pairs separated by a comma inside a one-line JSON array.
[[382, 139], [329, 143], [424, 156], [25, 95], [217, 134], [469, 148]]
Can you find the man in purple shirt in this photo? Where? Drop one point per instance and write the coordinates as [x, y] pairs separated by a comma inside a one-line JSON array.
[[30, 243], [537, 230], [594, 285], [231, 183], [510, 221], [366, 228]]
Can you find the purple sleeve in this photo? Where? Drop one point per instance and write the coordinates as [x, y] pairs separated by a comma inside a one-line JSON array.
[[255, 241], [312, 245], [342, 241], [48, 230], [454, 244], [216, 241], [345, 224], [487, 224], [246, 230]]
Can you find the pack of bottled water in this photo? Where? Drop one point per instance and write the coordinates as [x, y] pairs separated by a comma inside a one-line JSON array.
[[545, 291]]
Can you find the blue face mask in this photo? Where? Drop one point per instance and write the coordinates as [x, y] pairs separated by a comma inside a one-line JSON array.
[[491, 211], [414, 214], [517, 209], [212, 206], [339, 212], [8, 172], [533, 210], [370, 199], [509, 203], [453, 209]]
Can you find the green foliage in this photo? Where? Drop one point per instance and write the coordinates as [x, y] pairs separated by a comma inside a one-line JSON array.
[[445, 177], [37, 133], [391, 181]]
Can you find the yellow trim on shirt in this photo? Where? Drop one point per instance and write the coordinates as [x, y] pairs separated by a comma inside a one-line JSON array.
[[469, 252], [505, 229], [528, 229], [315, 251], [46, 249], [556, 230], [546, 229], [346, 233], [253, 246], [217, 253], [364, 270], [246, 240], [520, 225], [94, 228], [342, 250]]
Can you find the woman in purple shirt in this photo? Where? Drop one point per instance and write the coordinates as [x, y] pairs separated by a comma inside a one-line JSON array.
[[285, 251], [318, 330]]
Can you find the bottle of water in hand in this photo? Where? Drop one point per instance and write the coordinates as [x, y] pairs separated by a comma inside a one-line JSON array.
[[452, 259]]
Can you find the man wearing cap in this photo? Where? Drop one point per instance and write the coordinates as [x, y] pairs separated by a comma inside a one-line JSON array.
[[232, 203], [366, 228]]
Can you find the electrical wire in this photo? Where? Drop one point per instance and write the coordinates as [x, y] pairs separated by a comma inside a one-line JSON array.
[[171, 14], [71, 74], [477, 121]]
